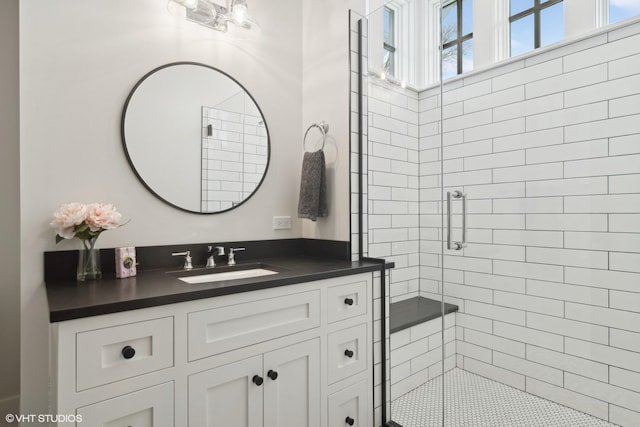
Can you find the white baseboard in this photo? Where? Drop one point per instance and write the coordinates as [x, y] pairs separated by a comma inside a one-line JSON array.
[[9, 405]]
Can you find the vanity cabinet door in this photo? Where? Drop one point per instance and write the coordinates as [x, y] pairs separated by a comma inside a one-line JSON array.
[[292, 386], [348, 407], [151, 407], [347, 353], [347, 300], [123, 351], [229, 396]]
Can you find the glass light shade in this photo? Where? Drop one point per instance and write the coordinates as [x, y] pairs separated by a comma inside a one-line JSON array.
[[203, 13], [239, 12]]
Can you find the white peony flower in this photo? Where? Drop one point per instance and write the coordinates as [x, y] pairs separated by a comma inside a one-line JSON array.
[[67, 217], [103, 216]]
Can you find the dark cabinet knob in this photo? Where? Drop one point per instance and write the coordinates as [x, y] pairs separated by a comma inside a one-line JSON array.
[[348, 353], [272, 374], [348, 301], [349, 421], [128, 352], [257, 380]]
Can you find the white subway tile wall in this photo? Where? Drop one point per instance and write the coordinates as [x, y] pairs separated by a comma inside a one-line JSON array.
[[416, 354], [393, 191], [548, 151]]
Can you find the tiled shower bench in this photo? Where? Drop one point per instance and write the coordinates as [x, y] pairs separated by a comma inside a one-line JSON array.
[[416, 342]]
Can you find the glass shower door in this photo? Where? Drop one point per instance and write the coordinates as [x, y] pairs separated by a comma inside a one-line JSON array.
[[548, 284]]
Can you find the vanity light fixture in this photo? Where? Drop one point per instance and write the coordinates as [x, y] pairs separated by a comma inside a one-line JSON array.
[[213, 15], [239, 11]]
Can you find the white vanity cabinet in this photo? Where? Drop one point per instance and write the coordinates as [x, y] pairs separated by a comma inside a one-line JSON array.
[[278, 389], [292, 356], [144, 408]]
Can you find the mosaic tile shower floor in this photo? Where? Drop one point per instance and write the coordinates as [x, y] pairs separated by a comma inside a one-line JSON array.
[[475, 401]]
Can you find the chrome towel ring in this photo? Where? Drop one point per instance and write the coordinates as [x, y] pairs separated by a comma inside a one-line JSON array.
[[324, 129]]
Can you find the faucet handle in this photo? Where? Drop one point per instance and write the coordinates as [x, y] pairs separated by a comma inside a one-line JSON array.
[[188, 265], [232, 255], [219, 250]]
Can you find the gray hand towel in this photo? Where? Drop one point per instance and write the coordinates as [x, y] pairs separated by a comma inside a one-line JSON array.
[[313, 187]]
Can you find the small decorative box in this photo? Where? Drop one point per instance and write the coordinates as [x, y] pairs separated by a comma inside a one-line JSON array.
[[125, 262]]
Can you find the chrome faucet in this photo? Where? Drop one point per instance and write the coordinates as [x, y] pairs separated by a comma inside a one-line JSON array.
[[188, 265], [210, 250], [232, 255]]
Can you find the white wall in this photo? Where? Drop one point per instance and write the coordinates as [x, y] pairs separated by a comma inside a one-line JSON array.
[[326, 97], [10, 212], [79, 60]]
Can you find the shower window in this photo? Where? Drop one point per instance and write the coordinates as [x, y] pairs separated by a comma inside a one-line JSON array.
[[457, 38], [535, 23], [389, 41], [392, 28], [620, 10]]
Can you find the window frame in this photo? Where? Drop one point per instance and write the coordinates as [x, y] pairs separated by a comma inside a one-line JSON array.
[[536, 10]]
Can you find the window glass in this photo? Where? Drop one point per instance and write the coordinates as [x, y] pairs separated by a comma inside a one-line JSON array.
[[388, 25], [522, 35], [450, 62], [537, 26], [518, 6], [467, 55], [467, 17], [388, 62], [389, 44], [623, 9], [552, 24], [450, 22]]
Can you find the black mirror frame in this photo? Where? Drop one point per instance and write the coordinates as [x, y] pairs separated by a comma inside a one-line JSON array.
[[135, 171]]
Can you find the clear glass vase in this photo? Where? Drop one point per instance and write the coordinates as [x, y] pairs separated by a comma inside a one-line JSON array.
[[89, 261]]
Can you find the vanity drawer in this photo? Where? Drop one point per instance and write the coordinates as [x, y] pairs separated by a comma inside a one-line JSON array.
[[151, 407], [347, 352], [346, 301], [111, 354], [348, 407], [227, 328]]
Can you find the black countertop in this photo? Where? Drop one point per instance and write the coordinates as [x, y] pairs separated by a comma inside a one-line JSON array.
[[72, 300]]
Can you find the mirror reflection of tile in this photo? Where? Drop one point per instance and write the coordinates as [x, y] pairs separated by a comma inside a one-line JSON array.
[[234, 152]]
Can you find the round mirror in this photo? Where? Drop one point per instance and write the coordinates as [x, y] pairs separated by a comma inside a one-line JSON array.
[[195, 137]]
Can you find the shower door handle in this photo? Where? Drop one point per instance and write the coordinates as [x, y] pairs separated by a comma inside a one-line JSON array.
[[450, 243]]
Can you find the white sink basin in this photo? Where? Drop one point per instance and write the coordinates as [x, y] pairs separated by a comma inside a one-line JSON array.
[[228, 275]]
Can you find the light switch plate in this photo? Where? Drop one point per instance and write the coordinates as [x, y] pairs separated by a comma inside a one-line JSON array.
[[281, 222]]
